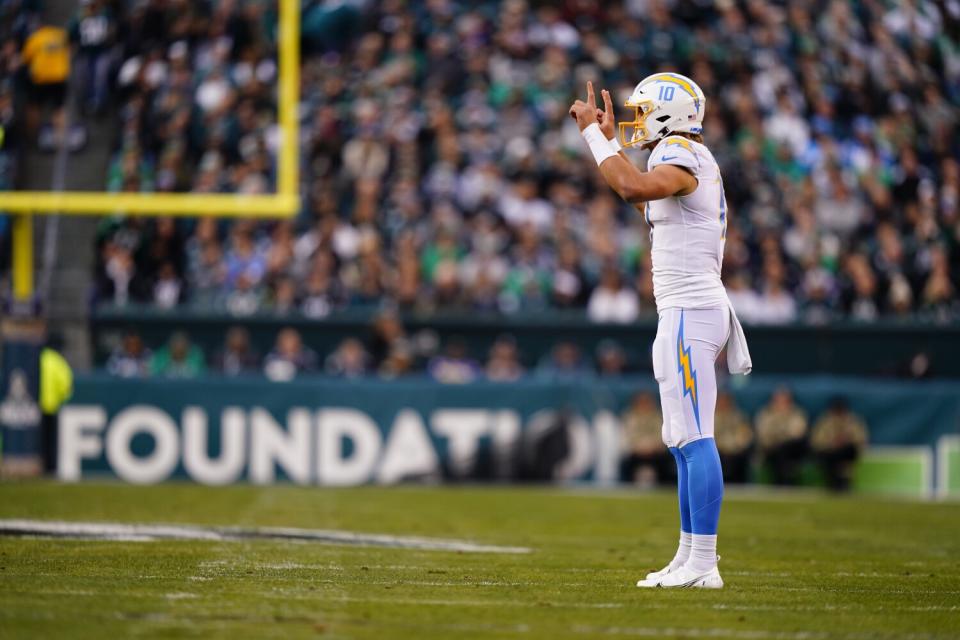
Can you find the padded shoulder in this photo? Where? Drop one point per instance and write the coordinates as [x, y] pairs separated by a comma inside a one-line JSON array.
[[675, 150]]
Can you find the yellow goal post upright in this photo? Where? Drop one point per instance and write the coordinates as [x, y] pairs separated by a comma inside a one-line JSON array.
[[283, 203]]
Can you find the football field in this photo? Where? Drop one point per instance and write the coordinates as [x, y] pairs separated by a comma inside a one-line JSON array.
[[798, 566]]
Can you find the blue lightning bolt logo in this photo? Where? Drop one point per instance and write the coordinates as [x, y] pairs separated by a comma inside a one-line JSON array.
[[689, 376]]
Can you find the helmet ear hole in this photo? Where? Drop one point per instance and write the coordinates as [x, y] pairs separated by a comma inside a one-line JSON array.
[[663, 118]]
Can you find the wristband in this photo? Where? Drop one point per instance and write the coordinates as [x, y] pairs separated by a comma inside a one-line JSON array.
[[615, 143], [600, 147]]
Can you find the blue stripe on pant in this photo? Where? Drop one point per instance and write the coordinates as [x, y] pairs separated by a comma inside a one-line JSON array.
[[704, 485]]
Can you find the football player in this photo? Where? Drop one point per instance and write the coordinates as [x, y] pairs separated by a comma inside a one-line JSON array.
[[681, 197]]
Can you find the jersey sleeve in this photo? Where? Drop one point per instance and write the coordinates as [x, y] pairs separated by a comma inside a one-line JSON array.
[[677, 151]]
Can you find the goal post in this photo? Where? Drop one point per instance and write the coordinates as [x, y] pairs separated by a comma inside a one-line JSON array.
[[283, 203]]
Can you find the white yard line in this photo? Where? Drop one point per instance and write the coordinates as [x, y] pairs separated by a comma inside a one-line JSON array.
[[141, 532]]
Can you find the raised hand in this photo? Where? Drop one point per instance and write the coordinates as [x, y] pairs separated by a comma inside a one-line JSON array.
[[608, 123], [585, 113]]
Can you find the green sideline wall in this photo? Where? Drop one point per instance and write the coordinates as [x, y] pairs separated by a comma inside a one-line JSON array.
[[843, 348], [322, 431]]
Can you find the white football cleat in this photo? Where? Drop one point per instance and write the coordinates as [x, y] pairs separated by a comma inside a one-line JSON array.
[[653, 578], [684, 577]]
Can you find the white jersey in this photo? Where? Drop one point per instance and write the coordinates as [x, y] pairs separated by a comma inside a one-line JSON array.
[[688, 232]]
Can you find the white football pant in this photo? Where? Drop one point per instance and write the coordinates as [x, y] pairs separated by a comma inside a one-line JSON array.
[[684, 352]]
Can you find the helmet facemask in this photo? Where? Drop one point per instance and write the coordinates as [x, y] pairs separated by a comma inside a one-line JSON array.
[[639, 132]]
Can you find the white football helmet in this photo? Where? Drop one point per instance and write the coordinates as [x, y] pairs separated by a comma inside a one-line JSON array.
[[663, 103]]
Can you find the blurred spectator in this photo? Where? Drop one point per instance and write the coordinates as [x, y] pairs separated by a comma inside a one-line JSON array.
[[838, 439], [46, 53], [178, 359], [284, 300], [237, 356], [646, 460], [570, 284], [130, 359], [247, 297], [782, 437], [734, 437], [318, 299], [774, 305], [289, 357], [745, 300], [167, 290], [206, 268], [860, 289], [454, 366], [611, 301], [939, 299], [118, 282], [399, 361], [56, 388], [564, 363], [244, 259], [503, 363], [93, 30], [611, 360], [349, 360], [387, 334]]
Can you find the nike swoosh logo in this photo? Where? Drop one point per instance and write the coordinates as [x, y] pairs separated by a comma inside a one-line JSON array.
[[665, 158]]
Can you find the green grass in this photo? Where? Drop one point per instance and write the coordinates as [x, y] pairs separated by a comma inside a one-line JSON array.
[[797, 566]]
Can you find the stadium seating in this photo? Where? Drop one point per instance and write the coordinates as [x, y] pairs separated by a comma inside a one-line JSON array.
[[442, 173]]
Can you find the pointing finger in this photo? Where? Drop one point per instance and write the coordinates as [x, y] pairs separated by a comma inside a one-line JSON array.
[[607, 102], [591, 99]]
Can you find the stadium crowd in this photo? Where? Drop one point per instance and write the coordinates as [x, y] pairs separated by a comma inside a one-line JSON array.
[[387, 349], [13, 24], [441, 170]]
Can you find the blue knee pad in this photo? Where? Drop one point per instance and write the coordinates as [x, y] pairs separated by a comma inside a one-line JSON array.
[[682, 490], [704, 485]]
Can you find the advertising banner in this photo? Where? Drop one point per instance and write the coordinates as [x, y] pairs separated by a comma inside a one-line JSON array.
[[346, 432]]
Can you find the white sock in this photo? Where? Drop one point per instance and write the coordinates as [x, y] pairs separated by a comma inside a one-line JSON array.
[[703, 554], [683, 551]]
